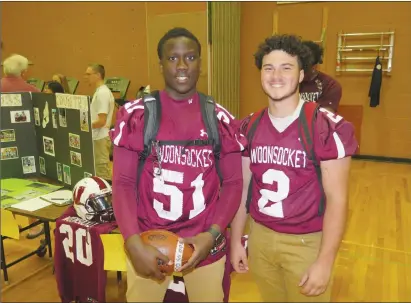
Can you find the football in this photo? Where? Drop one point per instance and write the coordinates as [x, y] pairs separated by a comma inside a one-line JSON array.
[[167, 243]]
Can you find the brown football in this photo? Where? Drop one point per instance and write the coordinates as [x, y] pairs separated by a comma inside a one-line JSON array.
[[167, 242]]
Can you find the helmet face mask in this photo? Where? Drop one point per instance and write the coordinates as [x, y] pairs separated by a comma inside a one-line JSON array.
[[93, 200], [99, 208]]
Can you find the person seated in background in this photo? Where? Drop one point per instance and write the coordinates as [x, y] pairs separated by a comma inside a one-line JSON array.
[[53, 87], [63, 81], [318, 86], [15, 73]]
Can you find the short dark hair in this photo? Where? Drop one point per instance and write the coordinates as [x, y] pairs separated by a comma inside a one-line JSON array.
[[176, 33], [98, 68], [290, 44], [317, 51], [55, 87]]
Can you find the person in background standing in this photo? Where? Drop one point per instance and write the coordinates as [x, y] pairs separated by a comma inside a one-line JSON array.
[[102, 107], [318, 86], [15, 73]]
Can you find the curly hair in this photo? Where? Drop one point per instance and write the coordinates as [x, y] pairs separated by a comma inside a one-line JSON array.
[[316, 50], [176, 33], [290, 44]]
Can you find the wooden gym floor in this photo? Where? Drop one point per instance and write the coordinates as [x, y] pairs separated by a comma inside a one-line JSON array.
[[373, 265]]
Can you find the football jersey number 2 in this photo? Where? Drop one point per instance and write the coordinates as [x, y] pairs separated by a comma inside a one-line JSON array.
[[176, 195], [86, 259], [283, 188]]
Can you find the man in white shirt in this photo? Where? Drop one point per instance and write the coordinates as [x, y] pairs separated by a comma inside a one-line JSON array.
[[102, 107]]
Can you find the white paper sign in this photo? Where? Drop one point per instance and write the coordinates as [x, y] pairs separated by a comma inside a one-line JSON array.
[[11, 100], [72, 102]]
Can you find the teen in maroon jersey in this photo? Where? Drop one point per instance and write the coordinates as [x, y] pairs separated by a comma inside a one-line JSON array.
[[318, 86], [292, 246], [186, 197]]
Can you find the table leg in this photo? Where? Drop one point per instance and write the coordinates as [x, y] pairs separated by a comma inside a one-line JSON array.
[[48, 237], [3, 263]]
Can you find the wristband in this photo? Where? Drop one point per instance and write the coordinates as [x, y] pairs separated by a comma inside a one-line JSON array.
[[214, 233]]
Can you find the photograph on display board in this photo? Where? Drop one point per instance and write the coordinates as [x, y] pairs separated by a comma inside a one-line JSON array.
[[8, 153], [59, 172], [36, 116], [7, 135], [75, 158], [46, 115], [84, 121], [48, 144], [28, 164], [42, 165], [74, 141], [67, 174], [63, 117], [54, 117], [20, 116]]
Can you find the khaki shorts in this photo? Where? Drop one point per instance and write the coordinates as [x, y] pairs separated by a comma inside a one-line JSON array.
[[278, 261], [204, 284]]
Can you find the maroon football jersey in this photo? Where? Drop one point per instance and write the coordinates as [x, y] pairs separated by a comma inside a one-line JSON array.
[[323, 89], [285, 188], [184, 197], [79, 258]]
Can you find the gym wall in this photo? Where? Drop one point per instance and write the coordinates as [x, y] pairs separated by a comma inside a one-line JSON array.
[[65, 36], [384, 130]]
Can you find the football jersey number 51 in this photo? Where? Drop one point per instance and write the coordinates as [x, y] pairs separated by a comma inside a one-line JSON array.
[[86, 259]]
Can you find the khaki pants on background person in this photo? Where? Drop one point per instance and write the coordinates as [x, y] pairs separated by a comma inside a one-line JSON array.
[[204, 284], [278, 261], [102, 158]]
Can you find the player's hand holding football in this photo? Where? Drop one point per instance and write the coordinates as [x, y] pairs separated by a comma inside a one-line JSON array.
[[202, 243], [238, 257], [144, 258], [315, 280]]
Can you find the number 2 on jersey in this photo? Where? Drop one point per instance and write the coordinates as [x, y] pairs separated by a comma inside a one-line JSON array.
[[333, 117], [283, 189], [80, 233]]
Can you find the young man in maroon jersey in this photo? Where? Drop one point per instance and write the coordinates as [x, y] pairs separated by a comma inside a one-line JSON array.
[[292, 245], [179, 188], [318, 86]]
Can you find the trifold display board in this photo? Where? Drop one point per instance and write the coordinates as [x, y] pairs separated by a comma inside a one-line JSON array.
[[57, 138], [19, 155]]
